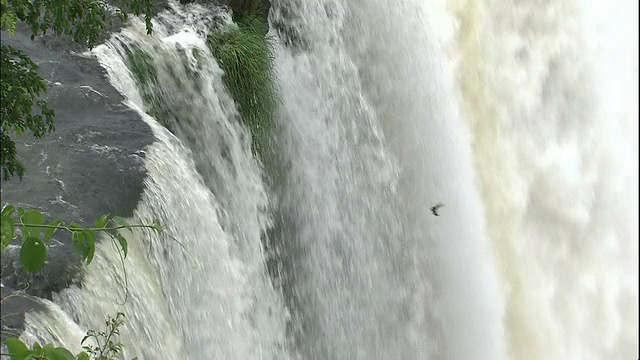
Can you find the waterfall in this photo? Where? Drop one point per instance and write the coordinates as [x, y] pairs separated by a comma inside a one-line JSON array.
[[379, 276], [518, 117], [551, 108]]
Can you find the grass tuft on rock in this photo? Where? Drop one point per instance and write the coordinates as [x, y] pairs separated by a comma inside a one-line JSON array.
[[142, 67], [145, 73], [245, 54]]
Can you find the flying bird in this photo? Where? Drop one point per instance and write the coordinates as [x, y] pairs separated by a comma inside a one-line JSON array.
[[435, 208]]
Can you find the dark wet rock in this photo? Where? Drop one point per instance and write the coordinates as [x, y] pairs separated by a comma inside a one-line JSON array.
[[13, 309], [93, 163], [61, 270]]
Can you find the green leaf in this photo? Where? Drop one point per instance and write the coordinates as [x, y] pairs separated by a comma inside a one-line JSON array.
[[75, 227], [79, 243], [36, 347], [102, 221], [8, 210], [57, 353], [83, 356], [123, 244], [33, 254], [77, 237], [35, 220], [6, 231], [90, 247], [48, 232], [17, 349], [121, 222]]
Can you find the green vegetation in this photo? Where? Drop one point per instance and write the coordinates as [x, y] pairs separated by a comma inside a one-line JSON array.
[[19, 351], [146, 75], [142, 67], [106, 349], [245, 54], [21, 87], [36, 235]]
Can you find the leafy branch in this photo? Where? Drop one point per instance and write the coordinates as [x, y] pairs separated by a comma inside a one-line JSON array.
[[108, 349], [36, 235]]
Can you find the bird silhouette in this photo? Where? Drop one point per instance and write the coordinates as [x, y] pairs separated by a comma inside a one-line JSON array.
[[434, 209]]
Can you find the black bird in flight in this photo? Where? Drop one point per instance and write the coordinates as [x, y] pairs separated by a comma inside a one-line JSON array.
[[435, 208]]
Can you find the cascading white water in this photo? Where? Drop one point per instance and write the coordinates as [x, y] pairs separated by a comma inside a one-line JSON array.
[[552, 105], [380, 276], [512, 114]]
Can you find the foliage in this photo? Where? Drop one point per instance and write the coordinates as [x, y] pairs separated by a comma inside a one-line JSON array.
[[142, 67], [83, 20], [36, 235], [21, 88], [21, 85], [33, 254], [20, 351], [245, 54], [105, 348]]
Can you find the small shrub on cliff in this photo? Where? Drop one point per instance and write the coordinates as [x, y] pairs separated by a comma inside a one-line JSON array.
[[245, 54], [145, 73], [142, 67]]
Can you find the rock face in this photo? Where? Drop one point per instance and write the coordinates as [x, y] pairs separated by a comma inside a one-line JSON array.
[[93, 163]]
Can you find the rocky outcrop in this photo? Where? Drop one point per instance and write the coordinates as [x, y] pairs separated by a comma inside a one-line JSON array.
[[93, 163]]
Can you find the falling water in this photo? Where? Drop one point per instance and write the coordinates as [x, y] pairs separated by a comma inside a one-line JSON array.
[[378, 275], [552, 109]]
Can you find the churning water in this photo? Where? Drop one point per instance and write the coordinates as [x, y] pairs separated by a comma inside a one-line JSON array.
[[518, 116]]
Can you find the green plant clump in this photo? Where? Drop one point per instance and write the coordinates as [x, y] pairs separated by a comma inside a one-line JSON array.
[[146, 75], [142, 67], [245, 54]]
